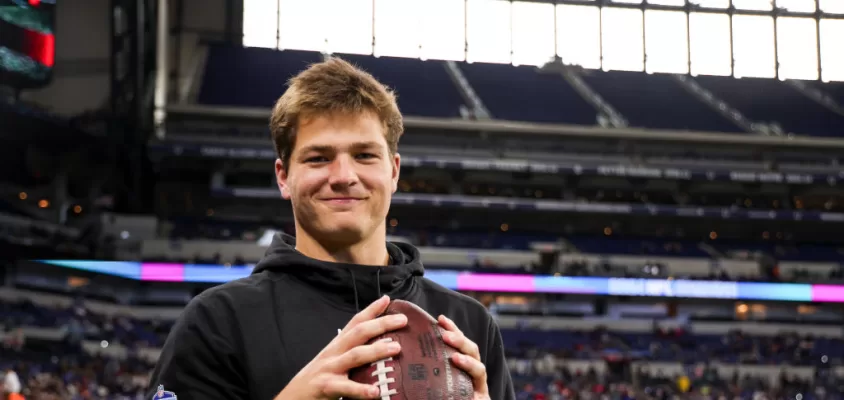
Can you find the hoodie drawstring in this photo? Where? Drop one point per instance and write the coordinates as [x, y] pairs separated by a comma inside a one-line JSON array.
[[378, 281], [355, 286]]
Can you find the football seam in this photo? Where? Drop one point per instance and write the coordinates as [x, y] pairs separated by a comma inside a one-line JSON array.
[[384, 372]]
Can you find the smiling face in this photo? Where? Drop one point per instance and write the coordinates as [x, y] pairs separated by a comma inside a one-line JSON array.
[[340, 178]]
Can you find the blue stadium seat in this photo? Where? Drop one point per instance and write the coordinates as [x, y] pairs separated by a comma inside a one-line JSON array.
[[769, 100], [802, 252], [836, 90], [811, 252], [523, 94], [478, 240], [651, 247], [250, 77], [424, 88], [585, 345], [656, 101]]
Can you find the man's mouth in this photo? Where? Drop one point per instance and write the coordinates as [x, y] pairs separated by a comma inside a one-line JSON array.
[[342, 200]]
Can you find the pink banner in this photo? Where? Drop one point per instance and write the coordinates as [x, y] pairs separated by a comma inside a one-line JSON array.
[[496, 283], [828, 293], [162, 272]]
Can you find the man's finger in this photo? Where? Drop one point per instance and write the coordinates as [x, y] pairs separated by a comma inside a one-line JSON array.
[[462, 344], [448, 324], [371, 312], [338, 345], [365, 331], [366, 354], [475, 369], [345, 388]]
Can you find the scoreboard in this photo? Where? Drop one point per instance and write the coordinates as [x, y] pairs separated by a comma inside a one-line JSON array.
[[27, 43]]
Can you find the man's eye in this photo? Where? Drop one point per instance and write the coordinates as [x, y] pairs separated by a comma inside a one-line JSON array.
[[316, 159], [366, 155]]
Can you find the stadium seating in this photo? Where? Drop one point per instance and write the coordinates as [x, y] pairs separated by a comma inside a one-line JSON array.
[[216, 242], [803, 252], [50, 369], [732, 348], [543, 361], [697, 382], [474, 240], [255, 77], [767, 100], [90, 326], [656, 101], [524, 94], [423, 87], [655, 247], [835, 89], [250, 77]]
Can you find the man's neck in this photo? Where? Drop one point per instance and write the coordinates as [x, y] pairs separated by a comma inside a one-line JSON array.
[[372, 251]]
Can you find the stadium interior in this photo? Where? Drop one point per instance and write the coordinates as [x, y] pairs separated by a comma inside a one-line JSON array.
[[643, 193]]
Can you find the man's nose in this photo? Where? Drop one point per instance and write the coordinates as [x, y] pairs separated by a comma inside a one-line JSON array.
[[343, 171]]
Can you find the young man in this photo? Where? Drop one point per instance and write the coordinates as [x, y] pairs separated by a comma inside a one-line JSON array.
[[274, 335]]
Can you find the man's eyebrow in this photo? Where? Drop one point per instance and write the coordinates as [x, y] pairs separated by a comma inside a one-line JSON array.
[[366, 145], [324, 148], [316, 148]]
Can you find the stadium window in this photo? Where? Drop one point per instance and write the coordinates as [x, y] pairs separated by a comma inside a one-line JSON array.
[[533, 33], [349, 26], [755, 5], [711, 3], [668, 2], [260, 23], [806, 6], [297, 20], [710, 41], [488, 31], [797, 48], [398, 27], [832, 53], [666, 43], [579, 35], [622, 41], [753, 46], [443, 30], [832, 6]]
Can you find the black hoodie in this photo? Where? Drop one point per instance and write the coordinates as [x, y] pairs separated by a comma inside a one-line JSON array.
[[246, 339]]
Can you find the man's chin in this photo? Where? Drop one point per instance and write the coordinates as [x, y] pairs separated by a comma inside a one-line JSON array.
[[343, 233]]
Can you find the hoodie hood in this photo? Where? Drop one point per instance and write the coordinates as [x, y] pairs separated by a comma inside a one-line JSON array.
[[351, 285]]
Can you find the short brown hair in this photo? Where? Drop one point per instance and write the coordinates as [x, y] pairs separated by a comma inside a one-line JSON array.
[[328, 87]]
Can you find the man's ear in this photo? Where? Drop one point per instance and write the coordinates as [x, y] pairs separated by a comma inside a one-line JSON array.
[[396, 170], [281, 179]]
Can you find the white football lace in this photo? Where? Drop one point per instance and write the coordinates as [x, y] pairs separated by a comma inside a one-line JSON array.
[[381, 370]]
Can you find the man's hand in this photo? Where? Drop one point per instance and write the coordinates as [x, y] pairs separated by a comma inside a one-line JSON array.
[[327, 375], [468, 358]]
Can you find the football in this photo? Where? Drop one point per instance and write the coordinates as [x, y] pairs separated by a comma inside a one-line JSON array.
[[423, 370]]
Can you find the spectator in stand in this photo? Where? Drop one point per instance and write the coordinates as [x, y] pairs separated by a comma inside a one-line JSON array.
[[14, 340], [11, 385]]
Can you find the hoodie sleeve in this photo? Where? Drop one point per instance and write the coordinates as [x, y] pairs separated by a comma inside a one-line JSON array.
[[498, 374], [199, 360]]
